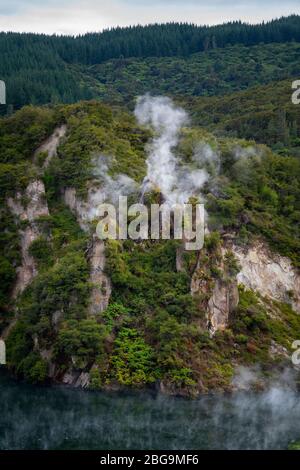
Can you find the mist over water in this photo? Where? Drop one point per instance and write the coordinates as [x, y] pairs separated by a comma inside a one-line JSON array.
[[63, 418]]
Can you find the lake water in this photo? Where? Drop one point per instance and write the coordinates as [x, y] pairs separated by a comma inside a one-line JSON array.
[[63, 418]]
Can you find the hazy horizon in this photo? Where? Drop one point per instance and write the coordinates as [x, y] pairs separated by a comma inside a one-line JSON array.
[[79, 17]]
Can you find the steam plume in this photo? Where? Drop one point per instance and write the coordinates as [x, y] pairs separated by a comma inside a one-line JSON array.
[[164, 172]]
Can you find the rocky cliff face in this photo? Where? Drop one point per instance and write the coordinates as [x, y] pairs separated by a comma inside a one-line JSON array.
[[32, 204], [78, 207], [261, 270], [268, 273], [101, 289], [224, 300], [219, 296], [28, 207], [85, 211], [51, 144]]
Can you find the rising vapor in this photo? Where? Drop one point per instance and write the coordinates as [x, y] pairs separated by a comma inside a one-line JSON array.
[[165, 172]]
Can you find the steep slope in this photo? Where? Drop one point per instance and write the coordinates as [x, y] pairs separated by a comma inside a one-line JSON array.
[[147, 312]]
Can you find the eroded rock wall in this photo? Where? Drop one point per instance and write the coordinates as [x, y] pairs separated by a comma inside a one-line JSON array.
[[260, 269], [51, 144], [101, 290], [224, 300], [28, 207], [268, 273], [219, 296], [84, 210]]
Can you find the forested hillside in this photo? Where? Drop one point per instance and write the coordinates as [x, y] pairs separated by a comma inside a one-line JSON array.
[[263, 113], [77, 310], [42, 69], [215, 72], [153, 327]]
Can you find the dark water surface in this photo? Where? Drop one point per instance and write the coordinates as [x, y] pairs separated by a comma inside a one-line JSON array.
[[63, 418]]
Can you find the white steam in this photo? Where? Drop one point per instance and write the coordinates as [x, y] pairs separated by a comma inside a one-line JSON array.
[[112, 186], [164, 172], [246, 378], [207, 158], [244, 153], [106, 188]]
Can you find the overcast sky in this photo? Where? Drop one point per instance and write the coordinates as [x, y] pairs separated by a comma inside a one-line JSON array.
[[80, 16]]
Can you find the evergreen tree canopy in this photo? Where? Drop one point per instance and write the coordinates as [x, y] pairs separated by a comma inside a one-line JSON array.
[[41, 69]]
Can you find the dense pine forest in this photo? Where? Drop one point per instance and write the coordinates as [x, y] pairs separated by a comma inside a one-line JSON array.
[[43, 69]]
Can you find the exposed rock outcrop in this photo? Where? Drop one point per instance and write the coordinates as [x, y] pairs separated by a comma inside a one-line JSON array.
[[28, 207], [218, 296], [268, 273], [28, 270], [261, 270], [56, 317], [76, 378], [78, 207], [278, 350], [51, 144], [32, 204], [224, 300], [84, 211], [36, 207], [2, 352], [101, 289]]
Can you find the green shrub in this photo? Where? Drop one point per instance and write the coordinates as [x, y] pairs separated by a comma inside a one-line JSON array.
[[18, 344], [181, 377], [42, 252], [132, 359], [83, 339], [115, 315], [34, 368], [95, 379]]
